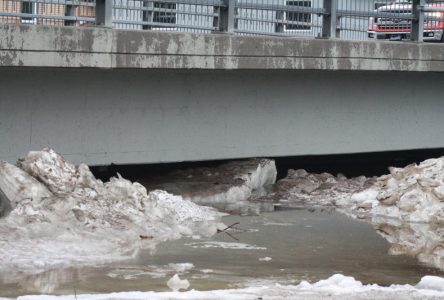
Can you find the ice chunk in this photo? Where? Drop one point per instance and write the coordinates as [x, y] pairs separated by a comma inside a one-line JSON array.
[[265, 259], [339, 281], [181, 267], [225, 245], [153, 271], [5, 204], [431, 283], [175, 283], [52, 169], [16, 185]]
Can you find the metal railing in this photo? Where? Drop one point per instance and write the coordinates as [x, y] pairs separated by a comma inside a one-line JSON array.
[[416, 20], [48, 12], [178, 15]]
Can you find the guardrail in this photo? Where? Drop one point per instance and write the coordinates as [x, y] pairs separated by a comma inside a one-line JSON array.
[[415, 20], [48, 12]]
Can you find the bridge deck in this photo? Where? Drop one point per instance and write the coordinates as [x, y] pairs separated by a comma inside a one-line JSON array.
[[73, 47]]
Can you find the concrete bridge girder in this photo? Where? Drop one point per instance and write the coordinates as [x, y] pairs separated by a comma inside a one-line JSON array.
[[105, 96]]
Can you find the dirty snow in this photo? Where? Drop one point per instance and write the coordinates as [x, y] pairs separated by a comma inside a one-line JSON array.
[[406, 206], [62, 215]]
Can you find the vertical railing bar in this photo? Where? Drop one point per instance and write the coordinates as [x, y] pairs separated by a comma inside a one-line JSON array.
[[329, 22], [104, 13], [227, 17], [417, 33]]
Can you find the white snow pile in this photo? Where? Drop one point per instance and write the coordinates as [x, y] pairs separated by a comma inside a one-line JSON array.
[[61, 214], [336, 287]]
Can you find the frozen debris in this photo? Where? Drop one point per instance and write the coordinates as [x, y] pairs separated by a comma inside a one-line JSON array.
[[406, 206], [227, 187], [303, 189], [16, 186], [277, 224], [337, 287], [265, 259], [225, 245], [413, 193], [181, 267], [153, 271], [409, 210], [5, 204], [175, 283], [69, 217], [52, 169]]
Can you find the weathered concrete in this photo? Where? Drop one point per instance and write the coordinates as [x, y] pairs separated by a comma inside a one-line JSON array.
[[100, 95], [73, 47], [142, 116]]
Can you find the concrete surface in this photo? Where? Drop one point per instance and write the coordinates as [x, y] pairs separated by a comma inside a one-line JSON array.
[[74, 47], [147, 116]]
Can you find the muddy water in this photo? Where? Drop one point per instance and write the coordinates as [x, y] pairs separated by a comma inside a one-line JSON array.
[[302, 245]]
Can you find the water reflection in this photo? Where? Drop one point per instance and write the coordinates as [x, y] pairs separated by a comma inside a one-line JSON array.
[[422, 240], [393, 204]]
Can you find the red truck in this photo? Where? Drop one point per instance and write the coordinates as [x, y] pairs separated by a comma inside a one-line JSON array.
[[389, 28]]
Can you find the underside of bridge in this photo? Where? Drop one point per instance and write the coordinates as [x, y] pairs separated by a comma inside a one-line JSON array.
[[100, 116]]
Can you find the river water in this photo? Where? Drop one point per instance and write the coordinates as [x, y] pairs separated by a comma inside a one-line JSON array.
[[285, 246]]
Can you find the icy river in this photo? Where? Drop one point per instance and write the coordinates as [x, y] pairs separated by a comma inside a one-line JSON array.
[[286, 247], [308, 236]]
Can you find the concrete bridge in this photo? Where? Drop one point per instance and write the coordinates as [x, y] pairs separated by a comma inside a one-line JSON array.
[[103, 96]]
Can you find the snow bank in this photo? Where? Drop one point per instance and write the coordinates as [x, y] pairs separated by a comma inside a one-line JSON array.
[[406, 206], [408, 210], [336, 287], [414, 193], [63, 215]]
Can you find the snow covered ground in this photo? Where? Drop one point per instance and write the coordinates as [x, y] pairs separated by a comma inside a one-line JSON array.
[[336, 287]]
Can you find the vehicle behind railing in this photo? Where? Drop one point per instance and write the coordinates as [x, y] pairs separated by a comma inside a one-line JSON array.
[[337, 19], [393, 21]]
